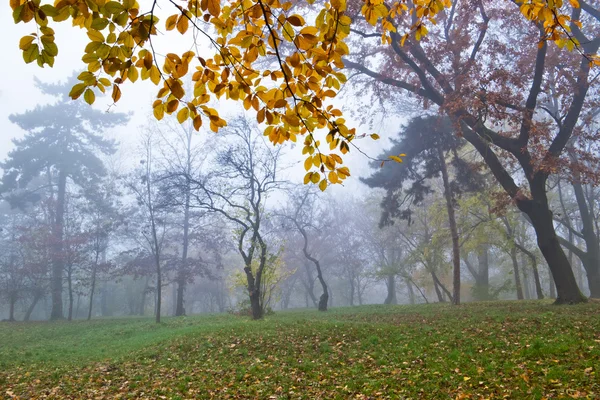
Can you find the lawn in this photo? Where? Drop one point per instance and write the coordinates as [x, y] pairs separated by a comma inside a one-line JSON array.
[[514, 350]]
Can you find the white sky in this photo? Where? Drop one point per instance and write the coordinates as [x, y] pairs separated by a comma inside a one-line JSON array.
[[18, 93]]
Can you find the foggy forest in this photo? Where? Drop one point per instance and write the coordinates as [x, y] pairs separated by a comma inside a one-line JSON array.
[[324, 199]]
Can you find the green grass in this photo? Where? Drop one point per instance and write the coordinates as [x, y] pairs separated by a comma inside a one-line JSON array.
[[515, 350]]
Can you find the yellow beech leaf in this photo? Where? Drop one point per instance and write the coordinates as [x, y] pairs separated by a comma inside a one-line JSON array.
[[25, 42], [89, 96], [183, 114], [182, 24], [154, 75], [296, 20], [77, 90], [214, 7], [116, 93], [323, 185], [314, 177], [159, 111], [197, 122], [307, 177], [308, 163], [171, 22]]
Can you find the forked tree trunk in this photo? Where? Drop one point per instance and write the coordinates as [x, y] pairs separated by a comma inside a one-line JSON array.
[[324, 299], [36, 297]]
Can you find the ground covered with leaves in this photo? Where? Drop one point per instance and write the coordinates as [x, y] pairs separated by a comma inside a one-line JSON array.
[[515, 350]]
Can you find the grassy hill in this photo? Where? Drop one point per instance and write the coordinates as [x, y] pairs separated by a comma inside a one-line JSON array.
[[515, 350]]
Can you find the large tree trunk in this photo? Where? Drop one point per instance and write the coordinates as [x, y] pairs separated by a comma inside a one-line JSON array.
[[453, 229], [254, 293], [541, 218], [391, 290], [57, 254]]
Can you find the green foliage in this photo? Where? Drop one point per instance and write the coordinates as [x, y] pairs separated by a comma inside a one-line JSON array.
[[274, 273], [479, 350]]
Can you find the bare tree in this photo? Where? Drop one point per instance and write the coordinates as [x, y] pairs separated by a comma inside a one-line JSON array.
[[237, 188]]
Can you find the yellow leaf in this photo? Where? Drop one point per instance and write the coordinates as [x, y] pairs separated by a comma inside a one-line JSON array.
[[307, 177], [314, 177], [182, 24], [77, 90], [296, 20], [31, 54], [214, 7], [89, 96], [154, 75], [374, 136], [171, 22], [159, 111], [396, 158], [308, 163], [177, 89], [323, 185], [95, 36], [116, 93], [132, 73], [309, 30], [197, 122], [25, 42], [183, 114]]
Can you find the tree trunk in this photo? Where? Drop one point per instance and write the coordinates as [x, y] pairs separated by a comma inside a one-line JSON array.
[[254, 293], [324, 299], [439, 284], [526, 286], [551, 286], [411, 292], [70, 286], [36, 297], [92, 287], [541, 218], [11, 311], [536, 277], [57, 255], [453, 230], [515, 263], [391, 290], [438, 292], [182, 273], [591, 262]]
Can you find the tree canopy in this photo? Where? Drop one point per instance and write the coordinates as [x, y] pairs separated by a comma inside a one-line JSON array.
[[289, 92]]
